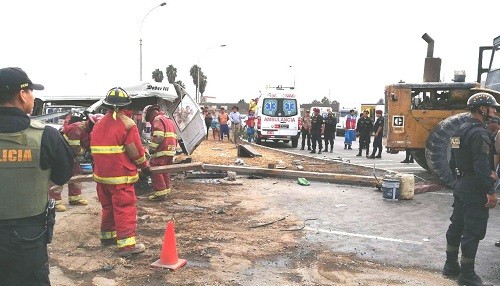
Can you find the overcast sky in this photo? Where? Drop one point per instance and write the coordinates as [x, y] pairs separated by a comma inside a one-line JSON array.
[[345, 50]]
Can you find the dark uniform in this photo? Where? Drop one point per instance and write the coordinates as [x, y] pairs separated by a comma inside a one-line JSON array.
[[377, 140], [316, 125], [30, 154], [330, 128], [472, 154], [364, 127]]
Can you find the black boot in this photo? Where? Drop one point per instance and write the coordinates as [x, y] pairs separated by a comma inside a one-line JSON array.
[[302, 148], [319, 150], [313, 151], [359, 153], [379, 155], [331, 150], [372, 156], [326, 149], [468, 276], [451, 267], [367, 151], [345, 146], [349, 147]]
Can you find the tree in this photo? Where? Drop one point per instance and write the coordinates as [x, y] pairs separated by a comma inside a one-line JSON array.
[[171, 73], [203, 83], [380, 101], [315, 102], [194, 72], [242, 101], [179, 82], [325, 100], [157, 75]]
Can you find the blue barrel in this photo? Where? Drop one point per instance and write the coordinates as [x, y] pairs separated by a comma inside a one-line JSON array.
[[390, 188]]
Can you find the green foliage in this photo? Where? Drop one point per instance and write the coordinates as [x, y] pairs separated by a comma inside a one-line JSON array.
[[157, 75], [315, 102], [380, 101], [242, 101], [203, 83], [171, 73], [179, 82], [325, 100]]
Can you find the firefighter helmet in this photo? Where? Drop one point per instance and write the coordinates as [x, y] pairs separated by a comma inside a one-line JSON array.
[[482, 99], [117, 96], [146, 112]]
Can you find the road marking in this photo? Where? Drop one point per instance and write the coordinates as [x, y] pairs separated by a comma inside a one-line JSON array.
[[363, 235]]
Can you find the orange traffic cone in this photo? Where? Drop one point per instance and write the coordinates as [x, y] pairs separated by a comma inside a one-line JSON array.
[[168, 257]]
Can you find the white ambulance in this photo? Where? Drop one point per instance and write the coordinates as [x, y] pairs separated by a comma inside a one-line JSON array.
[[277, 116]]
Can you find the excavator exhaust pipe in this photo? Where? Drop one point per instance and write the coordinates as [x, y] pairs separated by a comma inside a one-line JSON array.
[[432, 67]]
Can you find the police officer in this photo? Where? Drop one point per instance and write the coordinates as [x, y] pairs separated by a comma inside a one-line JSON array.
[[330, 128], [315, 130], [473, 191], [364, 130], [39, 154], [378, 128]]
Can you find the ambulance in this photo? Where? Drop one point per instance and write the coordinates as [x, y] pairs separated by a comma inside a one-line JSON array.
[[277, 115]]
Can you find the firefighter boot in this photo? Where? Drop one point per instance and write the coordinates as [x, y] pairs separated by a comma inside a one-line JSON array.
[[59, 206], [129, 251], [159, 195], [451, 266], [468, 276], [78, 201], [359, 153]]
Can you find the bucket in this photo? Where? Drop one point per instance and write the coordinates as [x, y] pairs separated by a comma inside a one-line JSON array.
[[390, 188], [407, 186]]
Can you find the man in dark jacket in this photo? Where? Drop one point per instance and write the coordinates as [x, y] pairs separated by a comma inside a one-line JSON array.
[[474, 191], [31, 156], [378, 128], [315, 131], [364, 130], [330, 128]]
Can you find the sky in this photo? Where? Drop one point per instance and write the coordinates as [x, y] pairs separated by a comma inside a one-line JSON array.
[[347, 51]]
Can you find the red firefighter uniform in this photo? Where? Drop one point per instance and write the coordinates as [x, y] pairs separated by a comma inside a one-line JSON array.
[[162, 150], [78, 136], [117, 150]]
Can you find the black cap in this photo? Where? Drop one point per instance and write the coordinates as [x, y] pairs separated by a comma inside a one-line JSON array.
[[15, 79]]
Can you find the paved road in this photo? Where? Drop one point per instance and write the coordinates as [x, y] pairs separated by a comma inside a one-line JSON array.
[[389, 161]]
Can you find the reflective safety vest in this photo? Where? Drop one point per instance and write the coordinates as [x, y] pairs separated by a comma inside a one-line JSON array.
[[23, 184], [164, 139], [117, 150]]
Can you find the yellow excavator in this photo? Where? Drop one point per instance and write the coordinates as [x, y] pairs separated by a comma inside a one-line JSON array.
[[421, 117]]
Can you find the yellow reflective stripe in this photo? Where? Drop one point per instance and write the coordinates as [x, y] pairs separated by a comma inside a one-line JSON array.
[[162, 192], [140, 160], [107, 149], [116, 180], [75, 198], [126, 242], [153, 145], [164, 153], [165, 134], [108, 234]]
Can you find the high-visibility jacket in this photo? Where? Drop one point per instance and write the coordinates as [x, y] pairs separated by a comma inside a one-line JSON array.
[[78, 136], [117, 150], [164, 139]]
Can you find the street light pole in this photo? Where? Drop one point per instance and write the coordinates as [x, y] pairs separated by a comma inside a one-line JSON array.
[[198, 97], [140, 38]]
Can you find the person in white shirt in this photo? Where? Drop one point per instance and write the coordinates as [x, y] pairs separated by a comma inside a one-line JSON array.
[[235, 118]]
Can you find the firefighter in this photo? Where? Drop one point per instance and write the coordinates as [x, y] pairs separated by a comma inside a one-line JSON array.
[[162, 149], [117, 151], [78, 136], [330, 128], [315, 131], [474, 191], [364, 130], [33, 155]]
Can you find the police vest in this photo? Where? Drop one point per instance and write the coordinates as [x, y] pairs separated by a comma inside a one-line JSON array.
[[24, 185], [460, 144]]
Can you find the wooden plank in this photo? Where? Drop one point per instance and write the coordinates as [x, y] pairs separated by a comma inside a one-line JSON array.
[[291, 174], [154, 170], [247, 151]]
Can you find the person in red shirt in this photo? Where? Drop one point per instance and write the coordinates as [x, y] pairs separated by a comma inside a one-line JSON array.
[[77, 135], [250, 126], [117, 151], [161, 148]]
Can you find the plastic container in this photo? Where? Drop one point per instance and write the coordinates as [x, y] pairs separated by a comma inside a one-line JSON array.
[[390, 188]]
